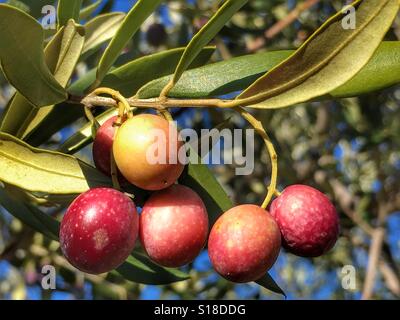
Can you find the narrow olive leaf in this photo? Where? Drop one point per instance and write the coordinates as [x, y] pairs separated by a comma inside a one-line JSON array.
[[81, 86], [6, 108], [89, 10], [130, 77], [83, 136], [206, 34], [22, 59], [132, 22], [68, 54], [45, 171], [140, 269], [22, 212], [382, 71], [68, 9], [126, 78], [52, 225], [61, 116], [100, 30], [236, 74], [35, 7], [16, 114], [20, 108], [217, 78], [328, 59], [269, 283], [19, 4], [199, 177]]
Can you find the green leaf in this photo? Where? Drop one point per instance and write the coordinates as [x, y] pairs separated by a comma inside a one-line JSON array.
[[81, 86], [6, 108], [238, 73], [22, 58], [206, 34], [45, 171], [89, 10], [68, 9], [21, 211], [132, 22], [21, 111], [140, 269], [269, 283], [199, 177], [19, 4], [382, 71], [100, 30], [35, 7], [15, 114], [50, 224], [68, 49], [217, 78], [61, 116], [126, 78], [130, 77], [328, 59]]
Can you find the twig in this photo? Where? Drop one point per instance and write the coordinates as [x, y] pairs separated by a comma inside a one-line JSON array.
[[155, 103], [282, 24], [345, 201], [391, 280], [374, 255], [223, 49]]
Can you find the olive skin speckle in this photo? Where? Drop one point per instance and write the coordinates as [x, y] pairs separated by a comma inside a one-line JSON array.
[[99, 230]]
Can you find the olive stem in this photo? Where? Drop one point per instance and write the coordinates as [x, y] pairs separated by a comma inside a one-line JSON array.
[[124, 108], [257, 125], [123, 104], [89, 115], [167, 115], [114, 171]]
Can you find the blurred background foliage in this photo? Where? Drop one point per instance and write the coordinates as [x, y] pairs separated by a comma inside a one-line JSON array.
[[349, 149]]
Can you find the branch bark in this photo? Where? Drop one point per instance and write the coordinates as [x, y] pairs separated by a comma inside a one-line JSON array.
[[282, 24], [373, 262]]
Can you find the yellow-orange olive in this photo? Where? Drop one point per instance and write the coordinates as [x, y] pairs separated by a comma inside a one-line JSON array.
[[146, 150]]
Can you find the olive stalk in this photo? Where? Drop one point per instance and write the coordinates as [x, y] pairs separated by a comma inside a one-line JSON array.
[[124, 109], [258, 127]]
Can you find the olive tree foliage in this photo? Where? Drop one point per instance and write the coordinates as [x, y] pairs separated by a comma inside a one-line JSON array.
[[331, 108]]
